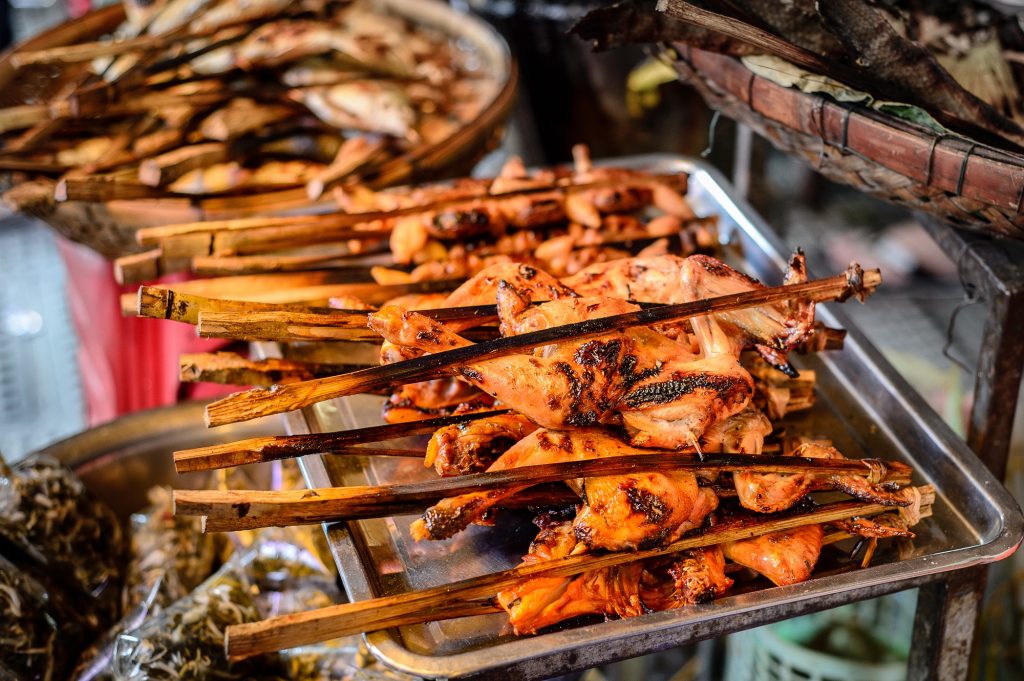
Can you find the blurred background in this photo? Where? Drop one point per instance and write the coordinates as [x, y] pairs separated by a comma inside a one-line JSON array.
[[60, 332]]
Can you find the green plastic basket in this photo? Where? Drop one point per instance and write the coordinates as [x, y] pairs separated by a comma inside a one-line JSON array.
[[777, 652]]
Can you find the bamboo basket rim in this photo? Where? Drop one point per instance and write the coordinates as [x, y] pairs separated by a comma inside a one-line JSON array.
[[944, 164]]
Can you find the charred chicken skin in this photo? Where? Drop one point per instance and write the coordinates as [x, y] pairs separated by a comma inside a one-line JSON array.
[[773, 329], [472, 447], [664, 402]]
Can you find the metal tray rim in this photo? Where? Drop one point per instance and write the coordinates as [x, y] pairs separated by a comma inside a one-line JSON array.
[[525, 654]]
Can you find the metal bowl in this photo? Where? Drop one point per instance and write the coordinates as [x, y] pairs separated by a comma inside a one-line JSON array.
[[120, 461]]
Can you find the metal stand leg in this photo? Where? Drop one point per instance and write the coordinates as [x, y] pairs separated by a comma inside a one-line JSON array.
[[947, 612]]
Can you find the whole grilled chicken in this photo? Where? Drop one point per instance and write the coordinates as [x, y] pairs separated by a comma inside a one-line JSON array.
[[620, 512]]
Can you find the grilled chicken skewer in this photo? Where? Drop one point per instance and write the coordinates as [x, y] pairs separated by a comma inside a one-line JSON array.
[[464, 597]]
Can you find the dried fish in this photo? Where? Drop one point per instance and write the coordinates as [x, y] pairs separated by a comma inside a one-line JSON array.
[[46, 512], [31, 646]]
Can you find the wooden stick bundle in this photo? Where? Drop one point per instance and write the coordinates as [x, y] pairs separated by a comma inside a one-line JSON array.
[[464, 596], [248, 509], [262, 402], [153, 236]]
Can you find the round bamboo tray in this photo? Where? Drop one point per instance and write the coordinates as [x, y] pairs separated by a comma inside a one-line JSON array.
[[958, 179], [109, 226]]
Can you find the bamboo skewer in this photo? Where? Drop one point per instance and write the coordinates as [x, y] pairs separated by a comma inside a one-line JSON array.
[[262, 402], [330, 256], [272, 448], [163, 303], [284, 326], [248, 509], [230, 368], [279, 633], [295, 327], [88, 51], [184, 301], [169, 166]]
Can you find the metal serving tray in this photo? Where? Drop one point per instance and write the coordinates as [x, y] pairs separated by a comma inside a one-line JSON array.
[[864, 407]]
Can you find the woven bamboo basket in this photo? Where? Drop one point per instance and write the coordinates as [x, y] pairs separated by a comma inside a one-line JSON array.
[[109, 227], [967, 183]]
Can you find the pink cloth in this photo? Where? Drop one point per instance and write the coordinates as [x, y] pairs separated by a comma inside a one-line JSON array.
[[126, 363]]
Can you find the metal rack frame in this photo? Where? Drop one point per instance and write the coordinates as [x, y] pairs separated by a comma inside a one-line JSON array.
[[948, 610]]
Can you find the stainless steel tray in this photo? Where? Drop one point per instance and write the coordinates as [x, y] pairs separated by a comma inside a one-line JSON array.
[[864, 406]]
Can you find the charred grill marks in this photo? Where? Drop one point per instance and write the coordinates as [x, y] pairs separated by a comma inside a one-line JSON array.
[[728, 388], [651, 506]]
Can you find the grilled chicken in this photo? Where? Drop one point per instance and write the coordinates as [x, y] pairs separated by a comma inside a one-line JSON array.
[[688, 578], [641, 510], [772, 329], [620, 512], [472, 447], [783, 557], [623, 591], [772, 492], [883, 526], [742, 433], [543, 601], [665, 397]]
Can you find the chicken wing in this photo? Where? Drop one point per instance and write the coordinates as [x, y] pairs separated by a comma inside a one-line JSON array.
[[472, 447], [772, 492], [628, 590], [543, 601]]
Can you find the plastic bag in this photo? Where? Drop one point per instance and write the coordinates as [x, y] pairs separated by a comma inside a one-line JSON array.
[[287, 574], [186, 639], [169, 551]]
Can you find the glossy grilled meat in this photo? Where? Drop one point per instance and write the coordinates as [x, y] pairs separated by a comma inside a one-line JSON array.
[[472, 447], [621, 591], [666, 399], [621, 512], [698, 576], [741, 433], [543, 601], [575, 388], [783, 557], [641, 510], [772, 492], [772, 329]]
